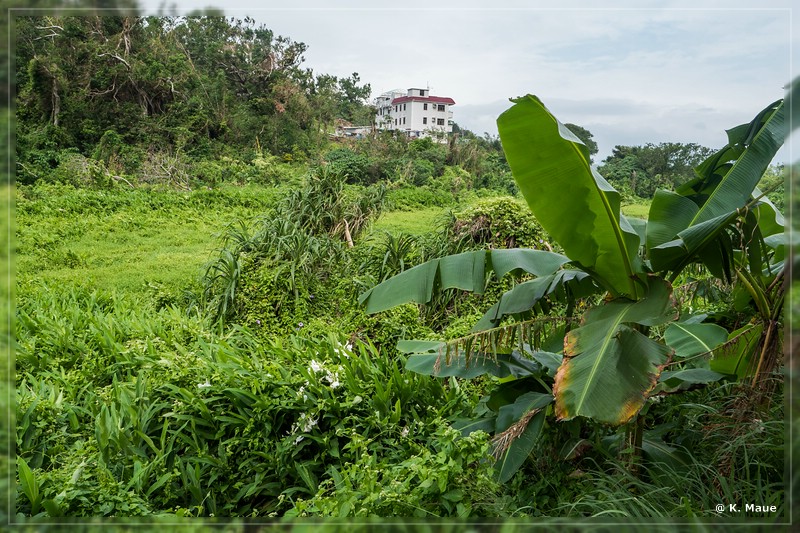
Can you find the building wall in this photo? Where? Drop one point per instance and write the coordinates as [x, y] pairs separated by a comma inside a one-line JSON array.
[[416, 117]]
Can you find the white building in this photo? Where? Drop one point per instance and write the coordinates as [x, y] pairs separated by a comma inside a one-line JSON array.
[[416, 113]]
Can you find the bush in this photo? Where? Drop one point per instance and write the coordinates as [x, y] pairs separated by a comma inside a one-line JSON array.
[[501, 222], [345, 162], [446, 476]]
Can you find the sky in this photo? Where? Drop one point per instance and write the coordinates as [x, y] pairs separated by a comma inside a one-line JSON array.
[[630, 72]]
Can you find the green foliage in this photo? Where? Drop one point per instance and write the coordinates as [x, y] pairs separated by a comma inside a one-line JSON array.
[[129, 403], [453, 478], [163, 412], [500, 222], [297, 246], [355, 167], [641, 170], [607, 367], [124, 89]]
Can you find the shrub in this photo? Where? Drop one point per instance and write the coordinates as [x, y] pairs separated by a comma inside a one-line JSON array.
[[345, 162], [500, 222]]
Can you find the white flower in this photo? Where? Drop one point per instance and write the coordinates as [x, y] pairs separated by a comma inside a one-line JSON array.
[[310, 423], [203, 385], [333, 379], [404, 432], [298, 439], [315, 366]]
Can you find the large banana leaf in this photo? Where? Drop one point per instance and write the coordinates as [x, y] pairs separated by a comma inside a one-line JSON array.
[[466, 271], [430, 358], [569, 199], [684, 226], [610, 367], [693, 339], [527, 295], [736, 356]]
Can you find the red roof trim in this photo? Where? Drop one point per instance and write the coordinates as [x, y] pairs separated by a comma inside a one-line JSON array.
[[433, 99]]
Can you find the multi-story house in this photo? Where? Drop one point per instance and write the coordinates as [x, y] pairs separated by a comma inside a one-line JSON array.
[[416, 113]]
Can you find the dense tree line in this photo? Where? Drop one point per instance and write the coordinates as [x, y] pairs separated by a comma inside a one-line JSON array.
[[640, 170], [120, 87]]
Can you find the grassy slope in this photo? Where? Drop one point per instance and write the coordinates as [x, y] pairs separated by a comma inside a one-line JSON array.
[[163, 239], [414, 222]]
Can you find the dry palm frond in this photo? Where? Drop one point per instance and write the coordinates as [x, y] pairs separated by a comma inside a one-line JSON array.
[[525, 336], [502, 441]]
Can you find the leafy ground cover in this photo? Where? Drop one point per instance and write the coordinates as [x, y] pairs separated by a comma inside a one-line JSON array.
[[129, 406]]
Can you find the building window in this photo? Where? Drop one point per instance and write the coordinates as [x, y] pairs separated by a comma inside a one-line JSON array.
[[404, 107], [404, 120], [395, 122], [424, 120], [424, 107], [441, 107], [440, 122]]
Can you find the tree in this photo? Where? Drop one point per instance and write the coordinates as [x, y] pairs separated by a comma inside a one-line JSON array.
[[605, 366], [196, 85], [641, 170], [585, 136]]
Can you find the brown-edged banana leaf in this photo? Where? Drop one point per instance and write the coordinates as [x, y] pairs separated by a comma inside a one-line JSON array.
[[610, 366]]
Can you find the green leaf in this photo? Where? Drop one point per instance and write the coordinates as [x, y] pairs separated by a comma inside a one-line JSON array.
[[419, 347], [536, 262], [657, 307], [499, 365], [657, 451], [726, 183], [670, 214], [53, 508], [674, 381], [527, 295], [520, 448], [30, 486], [464, 271], [551, 361], [509, 414], [767, 133], [734, 358], [609, 368], [552, 169], [693, 339], [470, 425]]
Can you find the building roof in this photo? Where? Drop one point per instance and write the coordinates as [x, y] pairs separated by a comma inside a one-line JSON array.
[[432, 99]]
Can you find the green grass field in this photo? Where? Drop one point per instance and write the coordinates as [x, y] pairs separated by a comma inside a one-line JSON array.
[[637, 210], [414, 222], [126, 242]]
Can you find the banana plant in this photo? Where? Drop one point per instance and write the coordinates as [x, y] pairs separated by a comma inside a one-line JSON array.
[[604, 364]]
